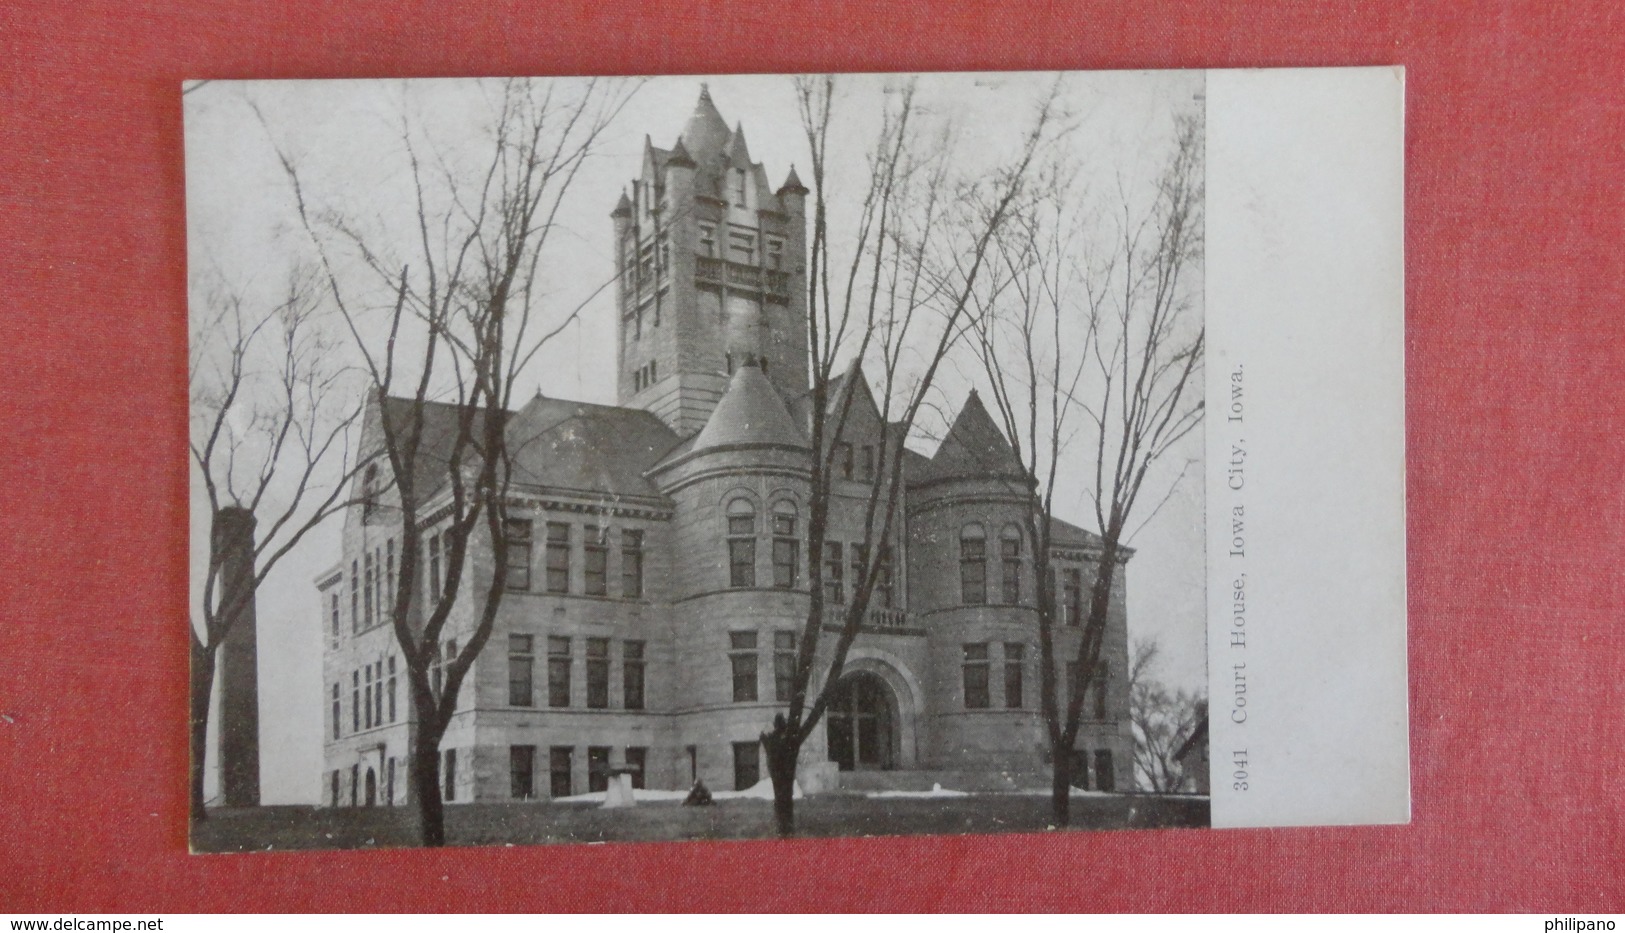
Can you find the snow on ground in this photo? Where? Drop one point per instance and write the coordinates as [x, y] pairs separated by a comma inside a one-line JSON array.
[[935, 791], [762, 790]]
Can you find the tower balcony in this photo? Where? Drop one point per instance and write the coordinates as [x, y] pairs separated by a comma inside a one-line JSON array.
[[737, 275]]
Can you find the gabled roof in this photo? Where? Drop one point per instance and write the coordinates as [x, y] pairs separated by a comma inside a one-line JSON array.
[[750, 413], [975, 448]]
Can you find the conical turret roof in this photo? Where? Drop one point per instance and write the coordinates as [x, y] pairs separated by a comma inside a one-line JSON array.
[[706, 132], [749, 413], [975, 447]]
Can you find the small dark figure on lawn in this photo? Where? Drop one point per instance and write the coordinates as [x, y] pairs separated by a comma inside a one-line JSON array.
[[698, 796]]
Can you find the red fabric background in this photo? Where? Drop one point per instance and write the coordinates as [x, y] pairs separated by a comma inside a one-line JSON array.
[[1516, 340]]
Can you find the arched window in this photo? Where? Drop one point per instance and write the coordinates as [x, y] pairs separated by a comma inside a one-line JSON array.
[[786, 546], [972, 565], [1010, 556], [741, 543]]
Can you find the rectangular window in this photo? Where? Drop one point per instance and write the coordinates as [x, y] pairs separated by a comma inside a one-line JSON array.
[[597, 768], [355, 600], [1080, 768], [598, 673], [867, 464], [976, 663], [1074, 677], [558, 771], [366, 697], [558, 557], [1095, 702], [775, 253], [355, 701], [708, 240], [834, 591], [631, 564], [391, 688], [389, 783], [973, 571], [517, 531], [1072, 596], [335, 602], [741, 561], [558, 671], [632, 675], [387, 610], [742, 659], [597, 561], [747, 765], [451, 773], [786, 546], [378, 693], [784, 665], [355, 784], [1105, 774], [367, 594], [522, 771], [738, 176], [1014, 654], [521, 670], [338, 716], [843, 459], [1010, 553], [334, 780], [637, 762]]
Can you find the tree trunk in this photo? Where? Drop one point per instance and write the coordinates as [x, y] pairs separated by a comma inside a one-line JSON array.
[[202, 694], [1061, 790], [782, 752], [426, 787]]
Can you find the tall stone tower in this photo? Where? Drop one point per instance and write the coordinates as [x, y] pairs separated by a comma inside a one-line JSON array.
[[712, 271], [237, 666]]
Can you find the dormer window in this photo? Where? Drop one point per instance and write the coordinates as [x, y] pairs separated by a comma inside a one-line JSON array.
[[739, 186], [708, 240]]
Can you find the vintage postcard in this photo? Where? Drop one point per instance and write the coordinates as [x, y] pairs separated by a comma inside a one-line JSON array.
[[590, 459]]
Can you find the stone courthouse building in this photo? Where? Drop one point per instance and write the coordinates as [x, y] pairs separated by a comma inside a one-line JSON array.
[[658, 560]]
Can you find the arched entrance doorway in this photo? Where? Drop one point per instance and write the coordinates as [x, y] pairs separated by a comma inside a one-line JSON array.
[[372, 787], [862, 724]]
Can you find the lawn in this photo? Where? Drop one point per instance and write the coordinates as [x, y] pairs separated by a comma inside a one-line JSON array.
[[291, 827]]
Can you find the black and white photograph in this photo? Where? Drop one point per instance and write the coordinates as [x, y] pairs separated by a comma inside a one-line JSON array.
[[649, 459]]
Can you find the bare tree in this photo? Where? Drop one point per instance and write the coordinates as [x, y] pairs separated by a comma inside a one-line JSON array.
[[890, 304], [468, 311], [1083, 329], [1163, 719], [271, 421]]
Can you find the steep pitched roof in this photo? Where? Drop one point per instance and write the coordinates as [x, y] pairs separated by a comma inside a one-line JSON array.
[[974, 447], [582, 447], [750, 412], [706, 132], [1068, 535], [435, 443]]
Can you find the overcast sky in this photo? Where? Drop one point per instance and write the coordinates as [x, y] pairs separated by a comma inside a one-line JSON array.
[[243, 230]]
